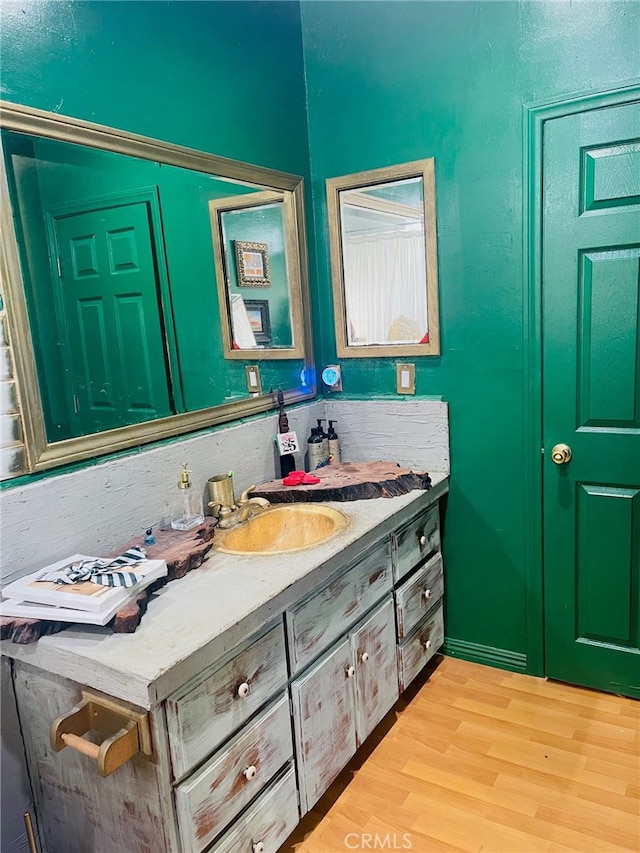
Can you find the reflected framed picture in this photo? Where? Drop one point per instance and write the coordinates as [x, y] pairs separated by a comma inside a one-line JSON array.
[[252, 262], [258, 314]]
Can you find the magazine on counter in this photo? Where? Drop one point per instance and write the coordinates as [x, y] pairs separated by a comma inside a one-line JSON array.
[[31, 610], [85, 595]]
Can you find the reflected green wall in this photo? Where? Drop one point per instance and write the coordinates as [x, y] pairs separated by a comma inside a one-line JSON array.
[[390, 82], [180, 72]]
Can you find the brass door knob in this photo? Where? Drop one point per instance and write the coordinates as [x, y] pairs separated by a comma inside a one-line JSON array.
[[561, 454]]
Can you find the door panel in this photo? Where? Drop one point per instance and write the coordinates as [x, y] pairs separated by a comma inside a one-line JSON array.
[[110, 302], [591, 397]]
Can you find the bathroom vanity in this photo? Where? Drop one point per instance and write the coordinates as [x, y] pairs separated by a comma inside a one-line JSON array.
[[259, 677]]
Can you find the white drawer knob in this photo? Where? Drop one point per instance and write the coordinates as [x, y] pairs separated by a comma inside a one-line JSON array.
[[243, 690], [423, 541], [364, 657], [427, 594], [350, 671], [427, 644], [250, 772], [258, 847]]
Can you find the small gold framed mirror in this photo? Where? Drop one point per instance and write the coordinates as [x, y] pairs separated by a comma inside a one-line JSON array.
[[384, 261]]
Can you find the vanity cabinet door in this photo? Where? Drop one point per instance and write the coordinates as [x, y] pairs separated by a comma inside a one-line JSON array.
[[209, 800], [373, 647], [207, 710], [326, 614], [267, 823], [417, 596], [418, 649], [324, 720], [416, 541]]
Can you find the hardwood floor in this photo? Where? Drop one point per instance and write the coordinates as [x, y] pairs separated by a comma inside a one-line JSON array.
[[478, 759]]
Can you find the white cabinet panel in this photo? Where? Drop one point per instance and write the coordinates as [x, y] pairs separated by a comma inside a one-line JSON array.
[[318, 620], [324, 722], [416, 541], [417, 596], [267, 824], [420, 647], [208, 710], [210, 799], [373, 647]]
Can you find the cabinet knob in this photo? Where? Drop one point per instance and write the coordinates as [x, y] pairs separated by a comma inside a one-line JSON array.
[[258, 847], [427, 594], [364, 657], [350, 671], [250, 772], [427, 644], [243, 689], [423, 540]]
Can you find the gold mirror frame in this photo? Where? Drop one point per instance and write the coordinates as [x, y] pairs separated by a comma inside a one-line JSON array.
[[245, 202], [43, 454], [424, 169]]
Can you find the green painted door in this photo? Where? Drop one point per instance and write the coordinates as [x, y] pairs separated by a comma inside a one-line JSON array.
[[591, 397], [109, 298]]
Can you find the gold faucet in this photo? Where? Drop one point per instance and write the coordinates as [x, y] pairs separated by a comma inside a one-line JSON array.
[[247, 507]]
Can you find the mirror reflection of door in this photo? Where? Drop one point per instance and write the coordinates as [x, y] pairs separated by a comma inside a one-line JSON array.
[[109, 317], [383, 252]]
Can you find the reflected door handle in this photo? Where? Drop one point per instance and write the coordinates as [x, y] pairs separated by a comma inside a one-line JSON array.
[[561, 454]]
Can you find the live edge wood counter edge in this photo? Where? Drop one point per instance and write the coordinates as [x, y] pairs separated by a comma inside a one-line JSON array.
[[196, 620]]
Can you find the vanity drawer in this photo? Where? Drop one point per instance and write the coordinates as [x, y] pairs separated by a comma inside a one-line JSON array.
[[420, 647], [210, 799], [416, 597], [201, 715], [415, 541], [268, 822], [323, 616]]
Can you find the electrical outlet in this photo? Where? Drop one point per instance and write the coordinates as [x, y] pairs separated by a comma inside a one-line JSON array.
[[405, 378]]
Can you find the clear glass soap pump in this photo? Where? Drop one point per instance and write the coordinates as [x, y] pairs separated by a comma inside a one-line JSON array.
[[188, 509]]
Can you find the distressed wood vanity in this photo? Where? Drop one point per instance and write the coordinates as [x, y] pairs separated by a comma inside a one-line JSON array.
[[258, 678]]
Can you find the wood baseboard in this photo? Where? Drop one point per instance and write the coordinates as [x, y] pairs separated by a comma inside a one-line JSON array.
[[478, 653]]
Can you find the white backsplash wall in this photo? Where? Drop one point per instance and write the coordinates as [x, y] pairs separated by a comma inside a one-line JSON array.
[[96, 509], [414, 433]]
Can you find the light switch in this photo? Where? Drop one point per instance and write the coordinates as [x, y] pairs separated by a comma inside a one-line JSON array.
[[254, 384], [405, 378]]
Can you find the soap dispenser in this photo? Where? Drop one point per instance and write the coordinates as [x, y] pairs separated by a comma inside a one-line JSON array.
[[325, 442], [334, 444], [188, 508]]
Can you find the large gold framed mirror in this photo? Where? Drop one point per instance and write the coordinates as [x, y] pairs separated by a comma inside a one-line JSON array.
[[384, 261], [114, 292]]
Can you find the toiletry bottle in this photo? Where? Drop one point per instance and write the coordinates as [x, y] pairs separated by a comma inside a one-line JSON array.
[[287, 460], [187, 511], [315, 450], [334, 444], [325, 441]]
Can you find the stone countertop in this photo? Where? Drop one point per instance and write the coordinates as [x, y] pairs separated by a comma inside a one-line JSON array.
[[193, 621]]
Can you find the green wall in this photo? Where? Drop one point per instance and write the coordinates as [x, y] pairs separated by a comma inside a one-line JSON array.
[[390, 82], [226, 78]]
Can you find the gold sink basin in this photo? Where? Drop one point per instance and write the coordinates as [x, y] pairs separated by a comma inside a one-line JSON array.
[[281, 529]]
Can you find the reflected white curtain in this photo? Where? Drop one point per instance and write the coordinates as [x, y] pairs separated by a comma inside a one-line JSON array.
[[243, 337], [385, 288]]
